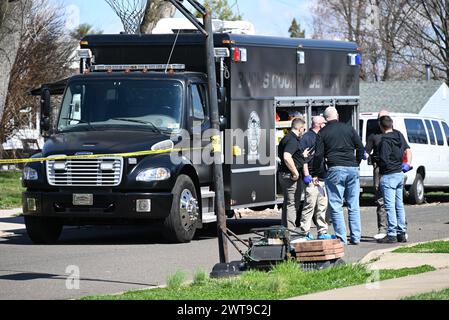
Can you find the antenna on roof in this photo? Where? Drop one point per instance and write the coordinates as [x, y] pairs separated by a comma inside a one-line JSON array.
[[172, 49]]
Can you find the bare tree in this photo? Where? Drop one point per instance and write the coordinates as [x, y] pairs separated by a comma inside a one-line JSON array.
[[426, 41], [341, 19], [43, 56], [156, 10], [386, 24], [141, 16], [375, 25], [11, 24]]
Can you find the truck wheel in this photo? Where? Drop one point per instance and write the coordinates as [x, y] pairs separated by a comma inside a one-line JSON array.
[[416, 193], [43, 230], [180, 225]]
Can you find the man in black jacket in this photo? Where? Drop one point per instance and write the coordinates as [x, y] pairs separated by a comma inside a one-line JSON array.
[[290, 172], [372, 149], [341, 147], [392, 148]]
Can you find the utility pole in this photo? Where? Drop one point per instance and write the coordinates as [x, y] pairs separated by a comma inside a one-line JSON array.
[[206, 29]]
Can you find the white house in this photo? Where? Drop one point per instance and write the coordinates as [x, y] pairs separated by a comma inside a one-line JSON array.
[[422, 97], [31, 132], [438, 104]]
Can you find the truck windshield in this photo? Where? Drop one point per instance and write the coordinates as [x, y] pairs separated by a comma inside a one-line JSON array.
[[150, 104]]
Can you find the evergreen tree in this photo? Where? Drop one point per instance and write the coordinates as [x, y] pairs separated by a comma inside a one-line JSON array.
[[295, 30], [83, 30], [221, 10]]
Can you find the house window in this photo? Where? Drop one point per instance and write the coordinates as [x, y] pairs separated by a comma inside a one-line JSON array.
[[416, 131]]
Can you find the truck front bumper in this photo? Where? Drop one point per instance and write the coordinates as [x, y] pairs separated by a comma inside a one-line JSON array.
[[105, 205]]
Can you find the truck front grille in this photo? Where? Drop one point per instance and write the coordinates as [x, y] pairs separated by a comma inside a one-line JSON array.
[[101, 172]]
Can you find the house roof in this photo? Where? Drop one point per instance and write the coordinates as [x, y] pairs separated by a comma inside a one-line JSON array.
[[397, 96]]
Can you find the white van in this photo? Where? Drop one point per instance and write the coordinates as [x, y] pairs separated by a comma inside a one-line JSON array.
[[428, 138]]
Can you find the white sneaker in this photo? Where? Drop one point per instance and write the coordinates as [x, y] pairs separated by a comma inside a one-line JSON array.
[[380, 236]]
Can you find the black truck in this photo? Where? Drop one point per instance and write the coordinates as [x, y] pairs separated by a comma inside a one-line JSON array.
[[137, 93]]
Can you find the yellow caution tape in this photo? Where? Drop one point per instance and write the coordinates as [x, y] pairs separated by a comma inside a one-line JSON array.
[[96, 156], [216, 144]]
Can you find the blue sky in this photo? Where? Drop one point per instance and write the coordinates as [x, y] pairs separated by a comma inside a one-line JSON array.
[[270, 17]]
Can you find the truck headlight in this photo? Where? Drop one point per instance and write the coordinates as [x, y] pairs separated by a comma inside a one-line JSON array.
[[155, 174], [29, 174]]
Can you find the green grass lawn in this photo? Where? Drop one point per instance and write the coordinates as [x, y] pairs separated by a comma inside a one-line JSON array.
[[442, 295], [430, 247], [10, 190], [284, 281]]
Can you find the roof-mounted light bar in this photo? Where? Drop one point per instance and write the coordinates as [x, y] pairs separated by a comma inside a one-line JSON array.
[[138, 67]]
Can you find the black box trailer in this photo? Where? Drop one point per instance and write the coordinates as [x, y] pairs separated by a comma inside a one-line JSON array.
[[264, 82]]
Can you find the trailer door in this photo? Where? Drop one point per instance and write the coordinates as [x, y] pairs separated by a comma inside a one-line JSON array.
[[253, 154]]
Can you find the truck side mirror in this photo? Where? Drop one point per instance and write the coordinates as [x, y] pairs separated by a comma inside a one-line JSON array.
[[45, 102], [45, 109], [45, 124]]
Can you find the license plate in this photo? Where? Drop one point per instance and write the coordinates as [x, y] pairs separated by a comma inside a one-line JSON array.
[[83, 199]]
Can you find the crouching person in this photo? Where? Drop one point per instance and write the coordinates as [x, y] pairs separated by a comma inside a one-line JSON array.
[[392, 168]]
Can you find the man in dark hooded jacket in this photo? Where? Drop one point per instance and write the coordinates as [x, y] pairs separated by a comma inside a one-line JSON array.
[[392, 167]]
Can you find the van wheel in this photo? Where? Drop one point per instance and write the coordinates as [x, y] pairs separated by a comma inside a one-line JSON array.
[[180, 225], [416, 193], [43, 230]]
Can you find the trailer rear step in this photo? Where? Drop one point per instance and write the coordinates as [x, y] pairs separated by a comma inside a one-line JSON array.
[[208, 201]]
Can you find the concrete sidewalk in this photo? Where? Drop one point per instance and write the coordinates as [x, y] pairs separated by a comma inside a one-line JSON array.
[[8, 213], [394, 289], [9, 222]]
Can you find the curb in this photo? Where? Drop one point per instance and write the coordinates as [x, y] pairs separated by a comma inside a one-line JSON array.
[[7, 213], [375, 255]]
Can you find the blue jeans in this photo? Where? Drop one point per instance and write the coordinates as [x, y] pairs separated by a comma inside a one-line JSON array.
[[343, 183], [392, 186]]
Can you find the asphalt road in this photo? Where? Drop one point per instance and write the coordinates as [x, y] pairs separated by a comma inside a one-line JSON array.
[[118, 259]]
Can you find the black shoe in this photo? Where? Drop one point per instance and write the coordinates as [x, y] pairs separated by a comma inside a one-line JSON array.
[[388, 239], [402, 237]]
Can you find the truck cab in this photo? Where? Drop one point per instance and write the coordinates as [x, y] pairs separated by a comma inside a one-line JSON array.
[[117, 113]]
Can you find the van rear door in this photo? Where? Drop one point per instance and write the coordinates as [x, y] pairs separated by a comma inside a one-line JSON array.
[[434, 166], [441, 156], [368, 127]]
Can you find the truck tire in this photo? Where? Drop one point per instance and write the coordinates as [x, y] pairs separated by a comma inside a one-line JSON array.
[[416, 193], [180, 225], [43, 230]]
